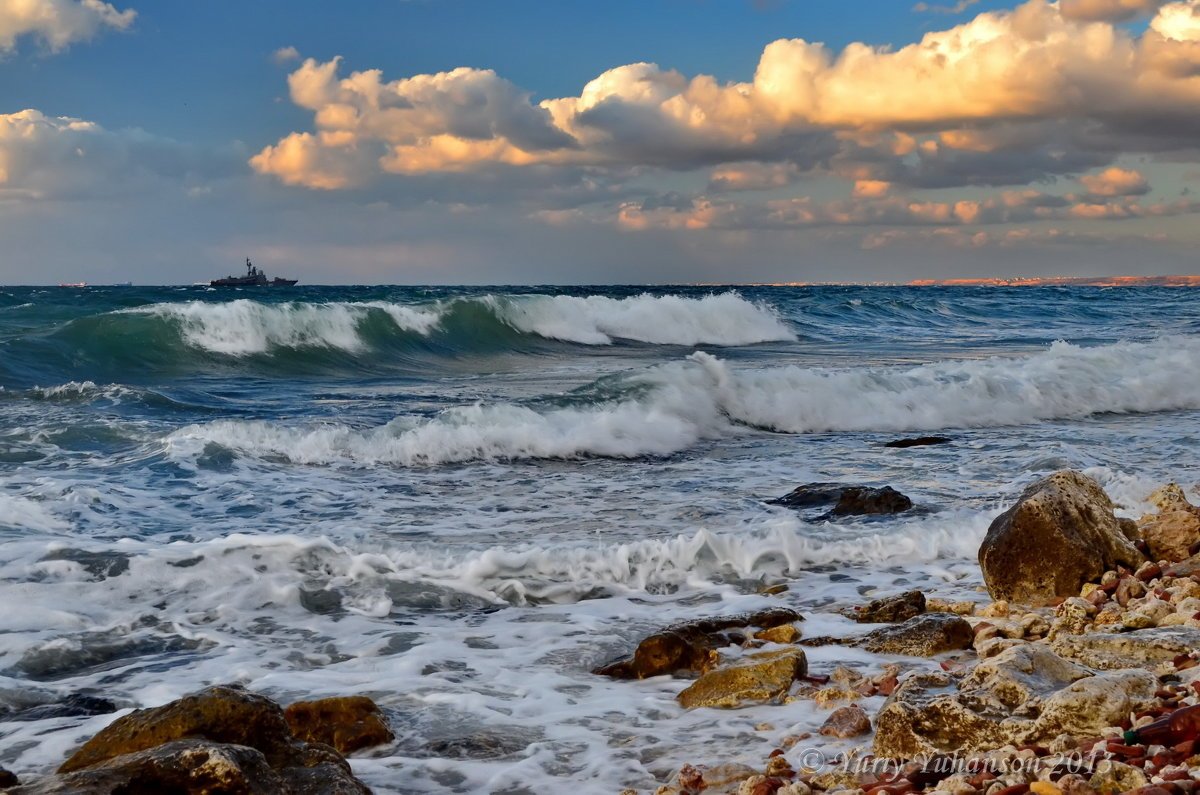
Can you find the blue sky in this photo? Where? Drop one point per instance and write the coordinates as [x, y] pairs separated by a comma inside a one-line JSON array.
[[157, 142]]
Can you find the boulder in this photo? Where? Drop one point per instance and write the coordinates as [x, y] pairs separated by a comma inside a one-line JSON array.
[[1170, 535], [346, 724], [1143, 648], [846, 722], [919, 441], [890, 609], [8, 779], [691, 647], [1171, 498], [921, 636], [1060, 534], [1024, 695], [200, 767], [845, 500], [759, 678]]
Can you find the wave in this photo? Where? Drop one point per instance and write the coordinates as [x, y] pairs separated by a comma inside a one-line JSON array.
[[672, 407], [243, 327]]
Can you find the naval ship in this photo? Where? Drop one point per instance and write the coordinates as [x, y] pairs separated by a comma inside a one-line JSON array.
[[253, 278]]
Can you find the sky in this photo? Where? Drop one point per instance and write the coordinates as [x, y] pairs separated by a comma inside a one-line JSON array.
[[631, 141]]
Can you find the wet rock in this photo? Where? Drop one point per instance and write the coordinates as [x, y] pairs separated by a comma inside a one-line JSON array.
[[784, 633], [691, 647], [846, 500], [1060, 534], [101, 565], [223, 714], [921, 636], [480, 745], [1025, 695], [891, 608], [845, 722], [8, 779], [759, 678], [1144, 648], [919, 441], [1170, 536], [346, 724]]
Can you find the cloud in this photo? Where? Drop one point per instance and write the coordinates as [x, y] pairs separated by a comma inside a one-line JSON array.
[[957, 8], [1108, 10], [44, 157], [1006, 98], [285, 55], [1116, 182], [57, 24]]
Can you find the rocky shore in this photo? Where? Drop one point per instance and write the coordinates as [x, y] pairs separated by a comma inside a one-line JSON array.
[[1091, 634]]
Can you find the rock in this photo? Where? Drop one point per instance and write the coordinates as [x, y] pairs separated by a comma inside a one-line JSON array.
[[1170, 535], [919, 441], [221, 731], [1113, 777], [863, 501], [1024, 695], [8, 779], [921, 636], [690, 647], [1171, 498], [762, 677], [784, 633], [845, 722], [200, 767], [71, 706], [846, 500], [1144, 648], [346, 724], [1060, 534], [891, 608]]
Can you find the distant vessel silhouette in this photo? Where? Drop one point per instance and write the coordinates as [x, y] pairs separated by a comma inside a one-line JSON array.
[[253, 278], [72, 284]]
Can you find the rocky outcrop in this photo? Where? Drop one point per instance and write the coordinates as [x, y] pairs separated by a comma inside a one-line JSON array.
[[759, 678], [890, 609], [921, 636], [690, 648], [843, 500], [919, 441], [199, 767], [1145, 648], [1025, 695], [221, 740], [345, 724], [1060, 534]]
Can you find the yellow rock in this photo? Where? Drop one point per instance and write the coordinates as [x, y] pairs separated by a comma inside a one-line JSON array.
[[998, 609], [784, 633], [761, 677], [1044, 788]]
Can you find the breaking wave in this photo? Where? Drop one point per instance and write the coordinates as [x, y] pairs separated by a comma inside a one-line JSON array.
[[670, 408]]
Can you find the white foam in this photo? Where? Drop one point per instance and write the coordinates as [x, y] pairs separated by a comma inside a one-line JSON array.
[[722, 319], [27, 514], [685, 402]]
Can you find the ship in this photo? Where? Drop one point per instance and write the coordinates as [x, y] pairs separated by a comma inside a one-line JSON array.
[[253, 278]]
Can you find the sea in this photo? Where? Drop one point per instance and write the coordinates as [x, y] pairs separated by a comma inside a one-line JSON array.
[[458, 500]]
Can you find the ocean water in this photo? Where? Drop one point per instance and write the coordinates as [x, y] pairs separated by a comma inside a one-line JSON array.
[[459, 500]]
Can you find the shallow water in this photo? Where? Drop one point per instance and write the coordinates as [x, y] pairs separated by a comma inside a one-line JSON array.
[[458, 501]]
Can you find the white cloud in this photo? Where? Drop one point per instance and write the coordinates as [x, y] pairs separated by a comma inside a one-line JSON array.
[[44, 157], [57, 24], [285, 55]]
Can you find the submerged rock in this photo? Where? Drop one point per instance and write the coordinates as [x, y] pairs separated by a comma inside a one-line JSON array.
[[846, 500], [919, 441], [1060, 534], [691, 647], [762, 677], [921, 636], [900, 607], [345, 724], [1025, 695]]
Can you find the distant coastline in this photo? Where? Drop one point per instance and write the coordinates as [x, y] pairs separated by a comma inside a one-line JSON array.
[[1073, 281]]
